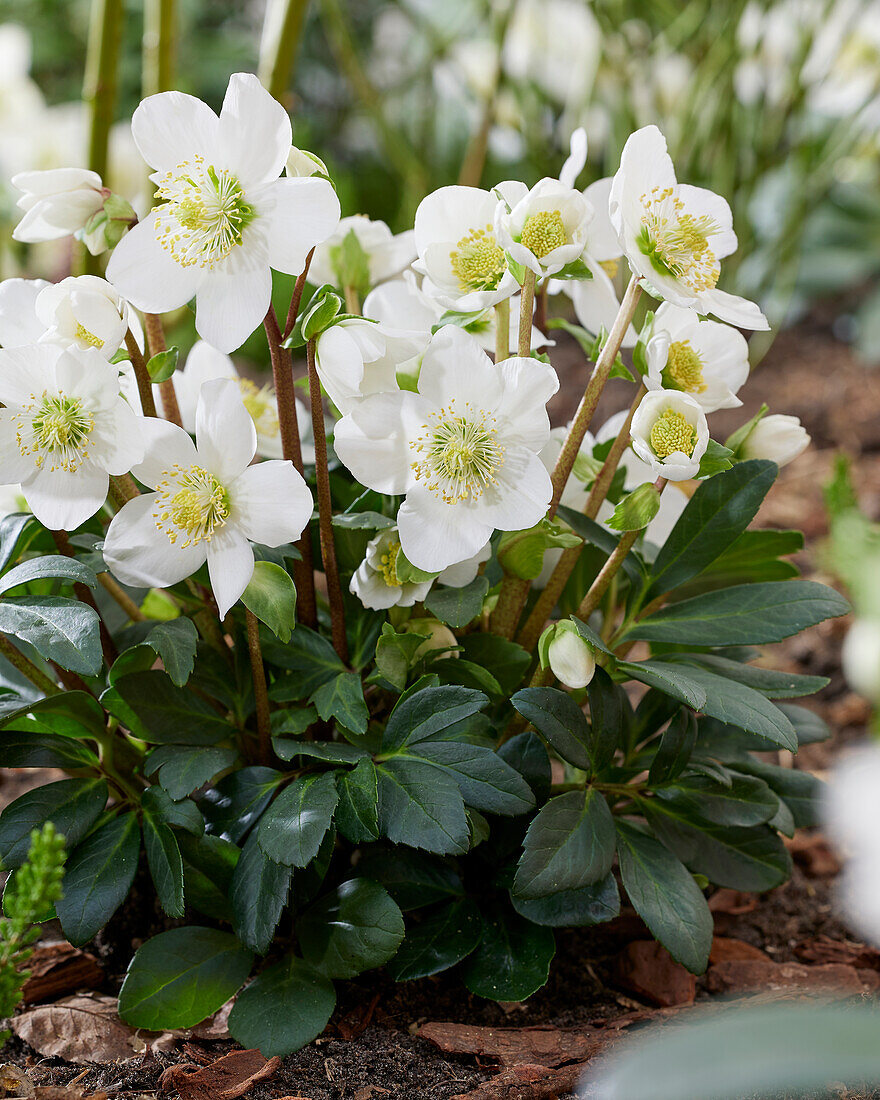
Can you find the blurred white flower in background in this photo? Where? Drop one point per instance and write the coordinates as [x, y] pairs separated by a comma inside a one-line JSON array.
[[852, 813], [556, 45], [387, 253]]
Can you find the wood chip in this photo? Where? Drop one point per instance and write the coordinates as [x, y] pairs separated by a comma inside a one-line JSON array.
[[733, 902], [647, 969], [725, 950], [813, 852], [225, 1079], [57, 969], [751, 975], [513, 1046], [527, 1083], [823, 949]]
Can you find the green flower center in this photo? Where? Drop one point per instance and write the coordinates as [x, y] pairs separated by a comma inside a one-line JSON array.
[[82, 334], [204, 213], [58, 428], [676, 242], [388, 564], [460, 455], [542, 232], [260, 403], [672, 432], [191, 503], [478, 260], [684, 369]]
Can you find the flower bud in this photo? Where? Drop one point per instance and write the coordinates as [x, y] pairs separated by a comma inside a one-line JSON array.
[[776, 437], [570, 658], [56, 202], [302, 162], [861, 658], [438, 636]]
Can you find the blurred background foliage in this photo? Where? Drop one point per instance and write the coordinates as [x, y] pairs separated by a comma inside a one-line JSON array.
[[773, 103]]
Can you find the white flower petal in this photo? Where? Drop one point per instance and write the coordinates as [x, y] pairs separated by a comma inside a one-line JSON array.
[[165, 446], [522, 495], [19, 324], [733, 309], [576, 159], [603, 242], [118, 438], [454, 366], [434, 535], [373, 440], [254, 131], [139, 554], [271, 503], [169, 128], [299, 213], [226, 437], [203, 364], [230, 566], [700, 202], [234, 299], [148, 276], [528, 386], [26, 371], [15, 465], [62, 501]]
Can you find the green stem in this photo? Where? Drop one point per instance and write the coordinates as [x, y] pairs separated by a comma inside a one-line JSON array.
[[282, 30], [325, 512], [526, 308], [352, 300], [158, 46], [599, 586], [27, 667], [590, 400], [291, 449], [99, 84], [261, 696], [502, 330]]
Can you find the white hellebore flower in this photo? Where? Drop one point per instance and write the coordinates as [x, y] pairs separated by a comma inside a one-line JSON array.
[[357, 357], [83, 311], [377, 585], [225, 217], [706, 359], [464, 449], [571, 660], [64, 430], [387, 254], [852, 818], [674, 235], [669, 432], [861, 658], [547, 227], [458, 249], [208, 502], [56, 202], [776, 437], [204, 364], [403, 301]]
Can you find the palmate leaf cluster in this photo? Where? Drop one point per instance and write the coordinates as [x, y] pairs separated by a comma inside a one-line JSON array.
[[419, 811]]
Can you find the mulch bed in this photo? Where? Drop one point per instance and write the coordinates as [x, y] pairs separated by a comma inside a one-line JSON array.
[[431, 1040]]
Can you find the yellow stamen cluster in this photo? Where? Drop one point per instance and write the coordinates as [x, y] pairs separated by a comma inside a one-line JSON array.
[[56, 428], [190, 502], [672, 431], [83, 334], [542, 232], [684, 368], [461, 453], [478, 261], [260, 403], [203, 215], [676, 241], [388, 564]]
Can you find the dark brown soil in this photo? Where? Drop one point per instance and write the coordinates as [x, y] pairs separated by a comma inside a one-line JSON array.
[[807, 373]]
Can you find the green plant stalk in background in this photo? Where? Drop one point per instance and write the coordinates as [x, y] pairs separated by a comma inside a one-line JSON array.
[[27, 900]]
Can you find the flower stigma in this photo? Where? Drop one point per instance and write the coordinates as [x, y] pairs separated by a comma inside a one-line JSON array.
[[59, 430], [672, 431], [478, 260], [542, 232], [388, 564], [677, 243], [86, 337], [461, 454], [204, 213], [684, 368], [192, 503], [260, 403]]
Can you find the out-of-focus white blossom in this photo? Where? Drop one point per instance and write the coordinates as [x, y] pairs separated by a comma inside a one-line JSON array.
[[852, 817], [861, 658], [387, 254]]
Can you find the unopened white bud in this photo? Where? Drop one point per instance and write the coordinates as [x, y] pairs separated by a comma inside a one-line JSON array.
[[777, 437], [571, 659], [438, 636], [56, 202]]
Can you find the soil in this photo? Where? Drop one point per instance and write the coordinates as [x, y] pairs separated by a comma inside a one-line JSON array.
[[807, 373]]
